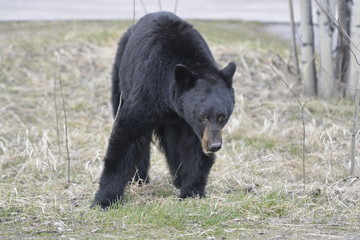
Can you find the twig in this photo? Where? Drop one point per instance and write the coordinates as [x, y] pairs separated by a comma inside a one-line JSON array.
[[176, 5], [144, 7], [302, 106], [57, 119], [354, 128], [65, 125], [296, 57], [132, 28], [322, 68], [44, 231], [160, 7]]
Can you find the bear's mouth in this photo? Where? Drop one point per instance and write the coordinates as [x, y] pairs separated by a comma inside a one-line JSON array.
[[208, 153], [212, 151]]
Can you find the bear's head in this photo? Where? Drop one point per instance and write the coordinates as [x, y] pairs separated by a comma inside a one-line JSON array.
[[206, 101]]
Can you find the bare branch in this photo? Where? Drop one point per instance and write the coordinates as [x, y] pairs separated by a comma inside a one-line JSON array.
[[65, 121], [57, 119], [280, 78], [160, 7], [132, 28], [144, 7], [322, 68], [176, 5]]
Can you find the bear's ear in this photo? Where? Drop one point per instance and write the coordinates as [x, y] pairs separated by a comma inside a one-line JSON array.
[[184, 76], [228, 73]]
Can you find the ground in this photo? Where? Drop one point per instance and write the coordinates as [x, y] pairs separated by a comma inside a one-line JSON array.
[[256, 188]]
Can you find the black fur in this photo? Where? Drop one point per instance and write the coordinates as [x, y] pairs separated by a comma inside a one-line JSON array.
[[170, 85]]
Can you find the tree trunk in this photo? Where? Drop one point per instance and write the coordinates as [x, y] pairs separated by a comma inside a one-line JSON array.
[[307, 49], [293, 33], [355, 128], [342, 51], [355, 52], [326, 83]]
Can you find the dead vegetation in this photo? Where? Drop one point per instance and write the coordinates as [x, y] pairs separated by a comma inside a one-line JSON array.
[[255, 189]]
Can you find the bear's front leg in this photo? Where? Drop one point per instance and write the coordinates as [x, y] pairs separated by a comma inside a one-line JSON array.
[[118, 164], [128, 147], [194, 172]]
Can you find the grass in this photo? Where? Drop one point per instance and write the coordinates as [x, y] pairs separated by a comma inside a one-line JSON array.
[[255, 189]]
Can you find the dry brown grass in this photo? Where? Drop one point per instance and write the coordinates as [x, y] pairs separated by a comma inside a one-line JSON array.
[[255, 188]]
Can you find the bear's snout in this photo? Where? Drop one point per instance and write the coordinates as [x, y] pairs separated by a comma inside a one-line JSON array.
[[211, 141]]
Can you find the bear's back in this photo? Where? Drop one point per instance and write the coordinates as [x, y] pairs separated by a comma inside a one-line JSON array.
[[163, 23], [168, 37]]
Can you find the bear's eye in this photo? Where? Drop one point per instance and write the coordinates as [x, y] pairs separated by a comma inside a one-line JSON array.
[[221, 117], [203, 117]]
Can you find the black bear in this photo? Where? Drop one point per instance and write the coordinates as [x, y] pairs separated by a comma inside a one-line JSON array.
[[166, 82]]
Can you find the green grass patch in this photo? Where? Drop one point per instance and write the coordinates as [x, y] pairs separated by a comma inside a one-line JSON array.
[[343, 109], [161, 217], [259, 142]]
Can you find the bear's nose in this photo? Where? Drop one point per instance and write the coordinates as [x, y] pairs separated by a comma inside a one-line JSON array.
[[214, 147]]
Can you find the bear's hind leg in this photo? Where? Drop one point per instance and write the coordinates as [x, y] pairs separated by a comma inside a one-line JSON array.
[[142, 161]]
